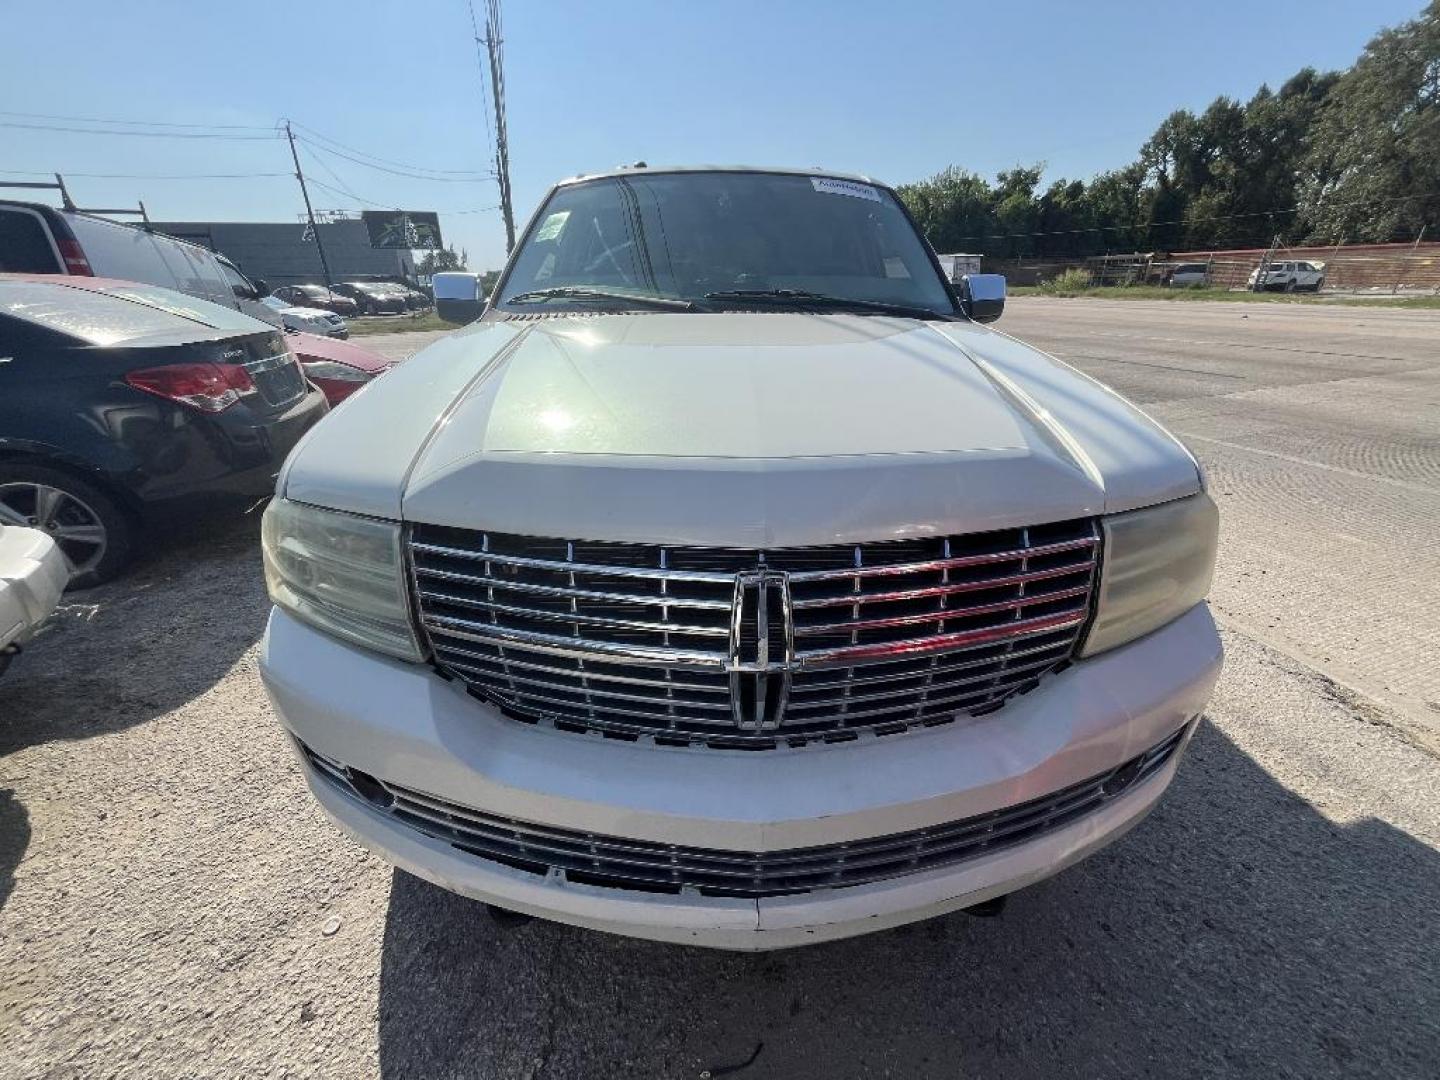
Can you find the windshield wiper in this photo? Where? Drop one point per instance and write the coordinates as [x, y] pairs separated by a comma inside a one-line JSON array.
[[575, 292], [805, 297]]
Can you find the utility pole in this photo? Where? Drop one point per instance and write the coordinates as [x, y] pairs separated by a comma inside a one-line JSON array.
[[309, 211], [493, 42]]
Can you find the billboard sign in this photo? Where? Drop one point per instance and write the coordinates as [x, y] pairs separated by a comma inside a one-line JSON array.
[[414, 229]]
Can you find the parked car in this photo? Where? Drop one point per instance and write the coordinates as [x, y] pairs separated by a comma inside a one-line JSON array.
[[339, 368], [33, 573], [43, 240], [1188, 275], [39, 239], [372, 299], [317, 296], [307, 319], [1289, 276], [730, 583], [122, 403]]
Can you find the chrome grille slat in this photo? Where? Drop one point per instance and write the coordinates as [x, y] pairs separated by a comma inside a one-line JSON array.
[[572, 593], [636, 640], [949, 614], [848, 599], [622, 863], [931, 685], [545, 669], [575, 617]]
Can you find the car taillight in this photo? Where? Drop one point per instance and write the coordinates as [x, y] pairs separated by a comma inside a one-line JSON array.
[[74, 256], [211, 388]]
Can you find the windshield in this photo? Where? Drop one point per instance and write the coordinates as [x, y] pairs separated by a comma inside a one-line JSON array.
[[690, 236]]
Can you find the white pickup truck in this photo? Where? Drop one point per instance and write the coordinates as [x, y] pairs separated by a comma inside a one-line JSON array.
[[729, 582]]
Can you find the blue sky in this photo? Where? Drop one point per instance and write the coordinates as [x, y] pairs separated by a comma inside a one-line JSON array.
[[898, 91]]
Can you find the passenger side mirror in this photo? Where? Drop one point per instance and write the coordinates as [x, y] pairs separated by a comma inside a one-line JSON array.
[[982, 296], [262, 287], [458, 296]]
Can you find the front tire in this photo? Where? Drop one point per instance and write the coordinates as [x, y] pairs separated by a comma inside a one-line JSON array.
[[96, 536]]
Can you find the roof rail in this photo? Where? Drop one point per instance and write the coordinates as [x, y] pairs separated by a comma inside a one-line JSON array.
[[69, 204]]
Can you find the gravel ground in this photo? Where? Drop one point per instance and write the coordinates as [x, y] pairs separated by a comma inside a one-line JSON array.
[[172, 904]]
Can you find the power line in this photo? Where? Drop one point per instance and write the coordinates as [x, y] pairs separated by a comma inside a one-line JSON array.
[[142, 134], [324, 142], [137, 123], [478, 179], [1193, 221], [145, 176]]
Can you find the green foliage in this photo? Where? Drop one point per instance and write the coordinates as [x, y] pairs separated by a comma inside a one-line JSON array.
[[437, 262], [1070, 283], [1330, 156]]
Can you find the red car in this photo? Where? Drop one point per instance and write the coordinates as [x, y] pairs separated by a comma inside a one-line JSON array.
[[317, 296], [337, 367]]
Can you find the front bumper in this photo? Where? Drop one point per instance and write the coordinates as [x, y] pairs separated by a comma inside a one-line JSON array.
[[407, 726]]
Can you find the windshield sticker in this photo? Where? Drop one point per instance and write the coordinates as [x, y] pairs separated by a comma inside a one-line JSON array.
[[845, 187], [552, 226]]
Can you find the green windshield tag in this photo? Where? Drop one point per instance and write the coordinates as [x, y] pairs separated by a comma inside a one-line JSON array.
[[553, 226]]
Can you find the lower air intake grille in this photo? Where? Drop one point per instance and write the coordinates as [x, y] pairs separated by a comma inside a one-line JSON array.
[[614, 862], [752, 649]]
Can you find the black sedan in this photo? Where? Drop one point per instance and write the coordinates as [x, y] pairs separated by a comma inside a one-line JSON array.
[[372, 297], [122, 404]]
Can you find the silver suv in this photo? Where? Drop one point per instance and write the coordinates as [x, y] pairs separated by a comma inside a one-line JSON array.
[[729, 583]]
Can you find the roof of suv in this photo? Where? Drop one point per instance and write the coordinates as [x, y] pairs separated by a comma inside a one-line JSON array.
[[630, 170]]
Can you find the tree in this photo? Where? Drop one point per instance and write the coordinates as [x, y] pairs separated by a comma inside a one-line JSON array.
[[442, 259], [1373, 172]]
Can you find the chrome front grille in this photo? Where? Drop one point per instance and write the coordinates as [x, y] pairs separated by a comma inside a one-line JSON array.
[[619, 863], [748, 648]]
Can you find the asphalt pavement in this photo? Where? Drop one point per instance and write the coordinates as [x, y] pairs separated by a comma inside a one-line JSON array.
[[172, 903]]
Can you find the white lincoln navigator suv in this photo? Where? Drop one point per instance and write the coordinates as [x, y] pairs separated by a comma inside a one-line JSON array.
[[728, 582]]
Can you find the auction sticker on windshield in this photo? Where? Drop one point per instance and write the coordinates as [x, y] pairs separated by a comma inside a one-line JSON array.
[[832, 186], [553, 225]]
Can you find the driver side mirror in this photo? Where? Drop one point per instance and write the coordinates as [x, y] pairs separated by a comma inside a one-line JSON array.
[[262, 287], [982, 296], [458, 296]]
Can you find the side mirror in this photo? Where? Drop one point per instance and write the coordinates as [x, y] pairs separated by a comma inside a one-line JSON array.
[[262, 287], [458, 296], [982, 296]]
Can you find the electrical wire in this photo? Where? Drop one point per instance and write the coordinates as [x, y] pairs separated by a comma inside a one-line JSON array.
[[477, 179], [339, 148], [136, 123], [1193, 221], [141, 134], [146, 176]]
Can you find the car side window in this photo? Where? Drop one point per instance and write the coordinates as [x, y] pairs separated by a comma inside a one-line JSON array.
[[238, 285], [25, 244]]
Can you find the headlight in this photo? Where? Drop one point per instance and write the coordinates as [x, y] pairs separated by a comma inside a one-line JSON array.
[[1157, 565], [340, 573]]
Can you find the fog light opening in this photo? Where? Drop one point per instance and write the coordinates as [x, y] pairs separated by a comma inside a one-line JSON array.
[[369, 789]]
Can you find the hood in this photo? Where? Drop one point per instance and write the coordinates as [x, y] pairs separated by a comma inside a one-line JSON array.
[[766, 429], [314, 347]]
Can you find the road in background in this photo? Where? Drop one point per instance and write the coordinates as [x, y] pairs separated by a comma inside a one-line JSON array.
[[173, 904], [1319, 428]]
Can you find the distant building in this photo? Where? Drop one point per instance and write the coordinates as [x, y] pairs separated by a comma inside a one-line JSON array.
[[960, 264], [283, 254]]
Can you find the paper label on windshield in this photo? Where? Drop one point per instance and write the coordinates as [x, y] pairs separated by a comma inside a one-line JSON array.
[[831, 186], [552, 225]]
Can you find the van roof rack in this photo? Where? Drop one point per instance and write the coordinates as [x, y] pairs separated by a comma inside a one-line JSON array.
[[69, 204]]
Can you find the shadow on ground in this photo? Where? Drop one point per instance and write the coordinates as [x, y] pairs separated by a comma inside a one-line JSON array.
[[163, 633], [1236, 932], [14, 838]]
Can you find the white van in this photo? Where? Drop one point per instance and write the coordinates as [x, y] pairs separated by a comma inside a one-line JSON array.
[[40, 239]]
